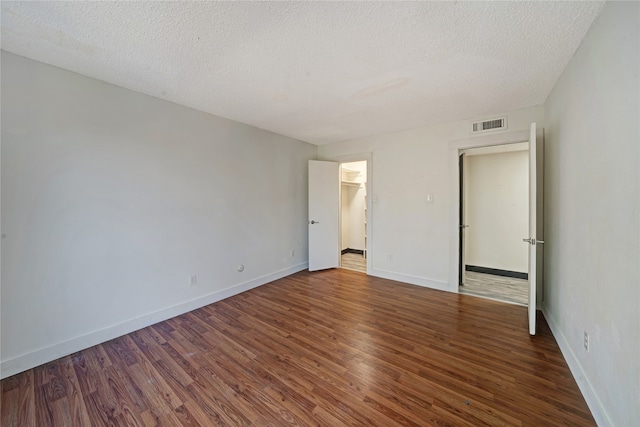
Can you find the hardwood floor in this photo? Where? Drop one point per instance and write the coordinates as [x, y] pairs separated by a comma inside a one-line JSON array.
[[328, 348], [497, 287], [355, 262]]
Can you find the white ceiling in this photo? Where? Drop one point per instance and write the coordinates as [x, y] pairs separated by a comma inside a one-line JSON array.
[[320, 72]]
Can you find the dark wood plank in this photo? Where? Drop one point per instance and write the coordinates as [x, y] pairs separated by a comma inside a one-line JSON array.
[[77, 407], [326, 348], [9, 408]]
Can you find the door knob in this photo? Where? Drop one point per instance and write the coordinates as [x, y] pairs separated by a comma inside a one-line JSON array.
[[314, 222], [533, 241], [463, 226]]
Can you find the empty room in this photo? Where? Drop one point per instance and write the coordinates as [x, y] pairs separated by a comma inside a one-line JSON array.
[[253, 213]]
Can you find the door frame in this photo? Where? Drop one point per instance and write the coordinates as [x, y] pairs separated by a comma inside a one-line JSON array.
[[461, 219], [455, 149], [359, 157]]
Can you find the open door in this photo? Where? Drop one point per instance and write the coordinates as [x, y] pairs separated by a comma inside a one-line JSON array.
[[535, 224], [324, 210]]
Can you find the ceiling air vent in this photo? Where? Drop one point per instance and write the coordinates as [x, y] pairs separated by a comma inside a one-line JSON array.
[[487, 125]]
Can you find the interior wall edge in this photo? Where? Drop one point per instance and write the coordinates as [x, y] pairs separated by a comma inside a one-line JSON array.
[[49, 353], [598, 410]]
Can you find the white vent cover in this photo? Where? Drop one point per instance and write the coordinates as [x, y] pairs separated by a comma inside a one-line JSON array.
[[487, 125]]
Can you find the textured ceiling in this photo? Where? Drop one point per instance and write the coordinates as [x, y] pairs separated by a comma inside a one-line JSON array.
[[320, 72]]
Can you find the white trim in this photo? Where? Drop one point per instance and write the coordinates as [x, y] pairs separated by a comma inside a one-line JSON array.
[[588, 392], [46, 354], [413, 280], [454, 185]]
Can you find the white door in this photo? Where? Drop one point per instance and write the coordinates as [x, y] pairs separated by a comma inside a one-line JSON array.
[[324, 210], [535, 224]]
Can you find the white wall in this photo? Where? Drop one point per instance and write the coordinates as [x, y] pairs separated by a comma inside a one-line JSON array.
[[111, 200], [356, 217], [353, 203], [406, 166], [592, 214], [345, 221], [497, 210], [353, 217]]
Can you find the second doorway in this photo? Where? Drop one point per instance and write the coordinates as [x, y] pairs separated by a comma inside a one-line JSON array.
[[494, 217], [353, 215]]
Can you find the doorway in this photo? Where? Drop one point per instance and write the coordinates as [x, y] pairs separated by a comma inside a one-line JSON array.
[[325, 214], [353, 215], [494, 215], [535, 138]]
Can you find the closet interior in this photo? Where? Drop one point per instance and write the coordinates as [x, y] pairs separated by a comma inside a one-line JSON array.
[[353, 218]]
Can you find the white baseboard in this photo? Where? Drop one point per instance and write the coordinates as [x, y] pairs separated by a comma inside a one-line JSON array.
[[414, 280], [47, 354], [590, 396]]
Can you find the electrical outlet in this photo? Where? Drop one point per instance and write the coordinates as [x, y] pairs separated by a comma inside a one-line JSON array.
[[390, 258], [586, 341], [193, 280], [293, 253]]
